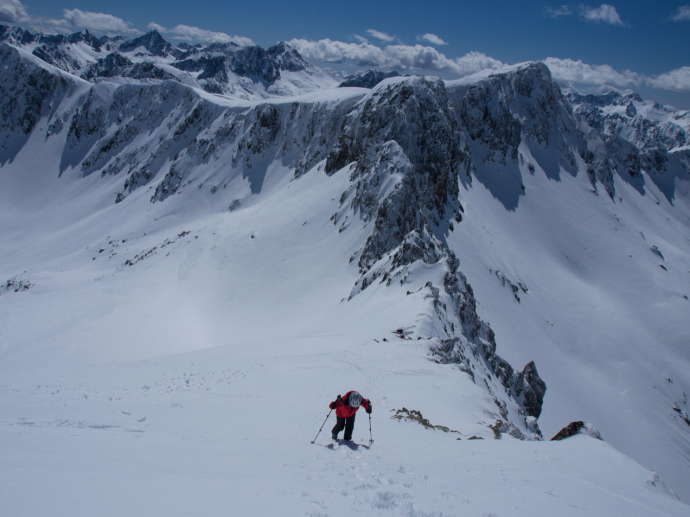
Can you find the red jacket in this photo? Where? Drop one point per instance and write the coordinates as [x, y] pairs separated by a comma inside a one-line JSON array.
[[342, 406]]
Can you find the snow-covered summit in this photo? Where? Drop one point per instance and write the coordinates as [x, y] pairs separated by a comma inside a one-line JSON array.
[[152, 43]]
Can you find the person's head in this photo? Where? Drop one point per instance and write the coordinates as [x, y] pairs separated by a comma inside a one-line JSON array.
[[355, 399]]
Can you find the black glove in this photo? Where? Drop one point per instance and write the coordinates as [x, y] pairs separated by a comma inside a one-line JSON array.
[[331, 405], [368, 406]]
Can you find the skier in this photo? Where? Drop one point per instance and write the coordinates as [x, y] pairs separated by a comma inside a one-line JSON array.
[[345, 409]]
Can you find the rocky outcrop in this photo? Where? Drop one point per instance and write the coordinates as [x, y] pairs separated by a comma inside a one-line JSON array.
[[529, 389], [575, 428]]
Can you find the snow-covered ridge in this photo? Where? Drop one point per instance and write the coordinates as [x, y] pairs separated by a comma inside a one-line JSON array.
[[645, 124], [420, 166], [143, 129], [239, 72]]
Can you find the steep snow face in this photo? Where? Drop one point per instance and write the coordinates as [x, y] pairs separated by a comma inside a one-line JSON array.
[[402, 219]]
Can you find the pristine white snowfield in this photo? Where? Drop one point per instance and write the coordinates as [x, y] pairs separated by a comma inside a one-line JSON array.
[[193, 381]]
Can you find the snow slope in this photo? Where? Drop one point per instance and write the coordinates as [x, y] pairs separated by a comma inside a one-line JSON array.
[[206, 273], [184, 384]]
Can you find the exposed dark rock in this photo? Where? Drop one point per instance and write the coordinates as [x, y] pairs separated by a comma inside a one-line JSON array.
[[16, 285], [574, 428], [416, 416], [504, 427], [531, 388]]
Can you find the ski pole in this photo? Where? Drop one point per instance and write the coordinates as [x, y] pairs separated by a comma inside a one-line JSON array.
[[371, 440], [324, 423]]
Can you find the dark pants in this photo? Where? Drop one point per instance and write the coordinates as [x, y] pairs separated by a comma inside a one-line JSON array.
[[347, 423]]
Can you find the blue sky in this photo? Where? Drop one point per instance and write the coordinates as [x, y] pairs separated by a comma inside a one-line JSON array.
[[638, 45]]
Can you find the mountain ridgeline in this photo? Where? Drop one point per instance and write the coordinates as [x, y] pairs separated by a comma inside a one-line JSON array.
[[140, 110]]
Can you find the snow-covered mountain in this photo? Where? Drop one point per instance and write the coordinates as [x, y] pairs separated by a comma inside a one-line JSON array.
[[435, 241], [243, 72], [645, 124]]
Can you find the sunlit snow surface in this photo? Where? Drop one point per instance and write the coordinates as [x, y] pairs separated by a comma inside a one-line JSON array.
[[192, 382]]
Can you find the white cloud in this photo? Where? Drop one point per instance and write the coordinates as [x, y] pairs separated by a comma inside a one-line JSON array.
[[380, 35], [425, 58], [195, 34], [393, 56], [682, 14], [557, 12], [99, 22], [576, 73], [569, 72], [431, 38], [338, 52], [360, 38], [603, 14], [12, 11], [153, 26], [676, 80], [474, 62]]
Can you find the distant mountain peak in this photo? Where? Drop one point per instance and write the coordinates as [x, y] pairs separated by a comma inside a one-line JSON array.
[[151, 41]]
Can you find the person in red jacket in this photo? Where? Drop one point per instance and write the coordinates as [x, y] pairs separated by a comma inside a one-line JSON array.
[[345, 409]]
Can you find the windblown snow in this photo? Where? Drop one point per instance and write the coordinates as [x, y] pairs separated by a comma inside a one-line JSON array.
[[204, 246]]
